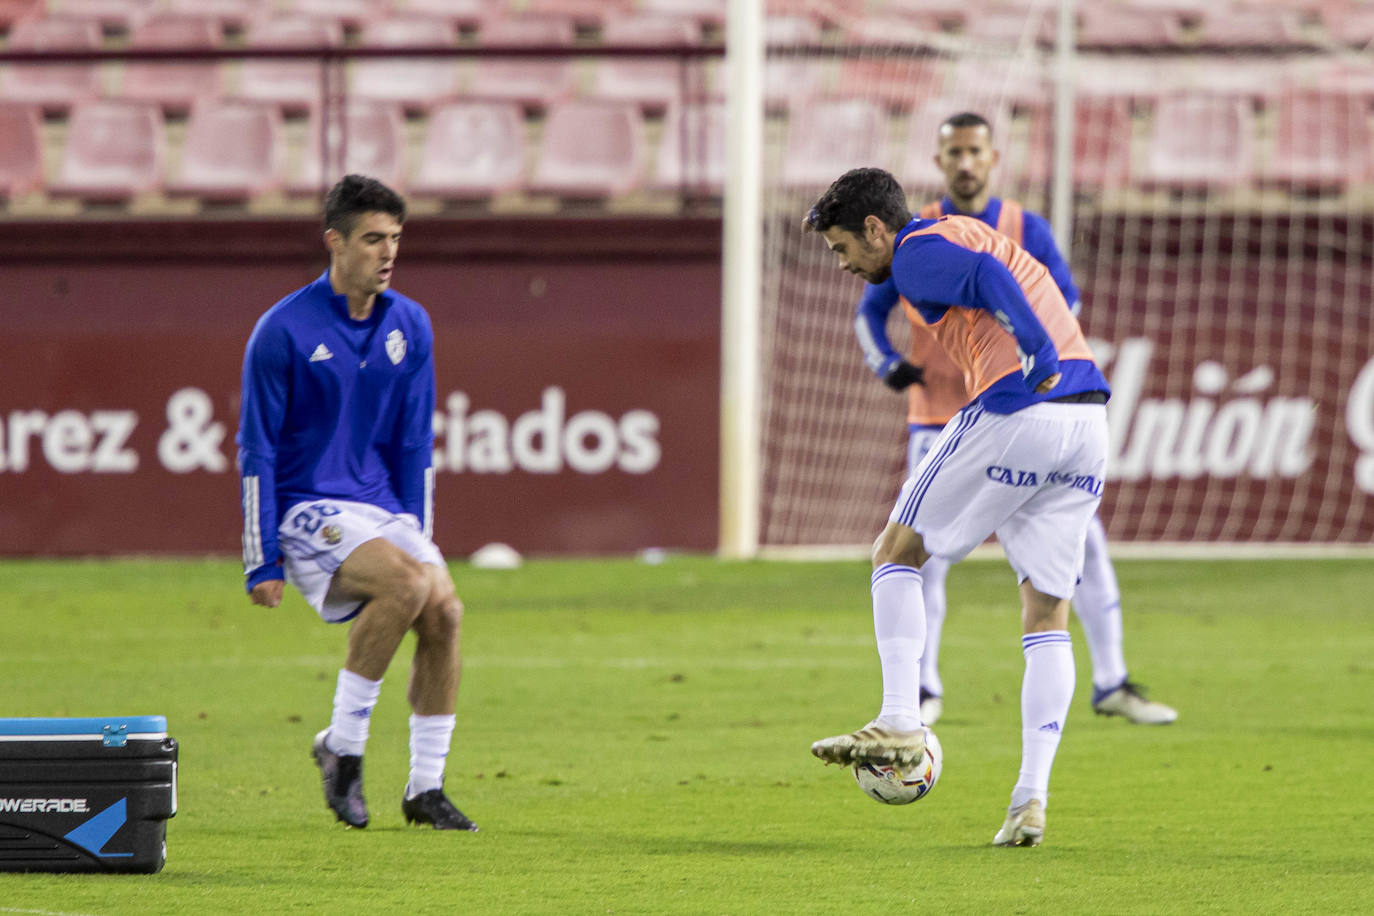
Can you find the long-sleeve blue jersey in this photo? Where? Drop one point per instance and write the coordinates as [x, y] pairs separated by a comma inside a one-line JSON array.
[[870, 319], [334, 408]]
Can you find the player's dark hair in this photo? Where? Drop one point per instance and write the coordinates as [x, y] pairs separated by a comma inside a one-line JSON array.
[[856, 195], [355, 195], [966, 119]]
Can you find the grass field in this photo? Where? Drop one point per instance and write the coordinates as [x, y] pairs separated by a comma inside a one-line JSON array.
[[633, 739]]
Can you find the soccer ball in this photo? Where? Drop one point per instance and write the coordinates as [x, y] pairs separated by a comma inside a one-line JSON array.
[[882, 783]]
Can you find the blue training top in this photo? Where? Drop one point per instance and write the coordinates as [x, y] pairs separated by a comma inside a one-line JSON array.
[[870, 319], [334, 408]]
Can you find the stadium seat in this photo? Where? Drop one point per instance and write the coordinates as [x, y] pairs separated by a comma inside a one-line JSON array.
[[234, 14], [1243, 75], [590, 149], [704, 12], [472, 150], [351, 14], [11, 11], [372, 140], [899, 80], [1115, 27], [293, 85], [1011, 27], [1351, 26], [461, 13], [114, 150], [978, 81], [233, 151], [691, 150], [1136, 76], [112, 14], [1322, 141], [1102, 129], [590, 13], [650, 83], [954, 12], [21, 149], [54, 86], [1200, 141], [175, 85], [789, 82], [532, 81], [416, 82], [831, 136], [1252, 27]]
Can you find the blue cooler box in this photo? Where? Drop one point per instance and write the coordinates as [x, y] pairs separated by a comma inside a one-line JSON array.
[[86, 794]]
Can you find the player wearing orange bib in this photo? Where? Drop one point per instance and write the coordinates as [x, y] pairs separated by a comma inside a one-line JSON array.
[[1024, 460], [936, 391]]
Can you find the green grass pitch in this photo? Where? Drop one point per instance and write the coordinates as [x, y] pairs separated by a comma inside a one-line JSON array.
[[634, 739]]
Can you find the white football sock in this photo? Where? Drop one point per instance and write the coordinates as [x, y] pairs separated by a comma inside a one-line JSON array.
[[899, 625], [429, 742], [933, 592], [354, 698], [1097, 601], [1046, 691]]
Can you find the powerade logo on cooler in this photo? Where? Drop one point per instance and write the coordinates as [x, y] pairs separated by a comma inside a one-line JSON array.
[[44, 805]]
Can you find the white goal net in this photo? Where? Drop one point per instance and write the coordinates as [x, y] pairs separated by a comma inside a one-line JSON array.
[[1222, 231]]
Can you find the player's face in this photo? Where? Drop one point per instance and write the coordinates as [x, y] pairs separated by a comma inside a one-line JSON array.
[[868, 258], [365, 258], [966, 157]]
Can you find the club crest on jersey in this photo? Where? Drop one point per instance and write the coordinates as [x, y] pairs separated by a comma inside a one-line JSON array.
[[332, 534], [396, 347]]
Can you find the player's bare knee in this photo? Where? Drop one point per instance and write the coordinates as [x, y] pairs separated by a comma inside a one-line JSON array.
[[1041, 611], [441, 619], [899, 544]]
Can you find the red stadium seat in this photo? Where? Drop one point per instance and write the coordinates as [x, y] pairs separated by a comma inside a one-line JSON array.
[[472, 150], [979, 81], [705, 12], [648, 82], [54, 86], [955, 12], [462, 13], [115, 149], [21, 149], [371, 141], [1323, 141], [532, 81], [1200, 141], [416, 82], [789, 81], [899, 80], [691, 151], [112, 14], [1351, 26], [1116, 27], [1102, 129], [590, 149], [11, 11], [1254, 27], [233, 151], [349, 13], [175, 85], [293, 85], [231, 13], [831, 136], [591, 13]]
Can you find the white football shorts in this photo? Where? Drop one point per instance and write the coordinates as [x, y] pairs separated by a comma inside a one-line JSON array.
[[920, 439], [1034, 478], [317, 536]]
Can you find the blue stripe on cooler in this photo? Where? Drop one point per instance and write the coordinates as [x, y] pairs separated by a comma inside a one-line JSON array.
[[89, 727]]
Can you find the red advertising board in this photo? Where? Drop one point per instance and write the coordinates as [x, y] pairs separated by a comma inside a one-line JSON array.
[[578, 376]]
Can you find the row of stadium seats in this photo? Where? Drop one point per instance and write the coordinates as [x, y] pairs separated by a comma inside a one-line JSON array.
[[237, 151]]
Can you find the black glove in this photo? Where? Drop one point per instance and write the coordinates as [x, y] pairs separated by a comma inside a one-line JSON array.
[[903, 374]]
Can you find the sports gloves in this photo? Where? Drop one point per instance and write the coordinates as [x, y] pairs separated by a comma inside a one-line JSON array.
[[901, 374]]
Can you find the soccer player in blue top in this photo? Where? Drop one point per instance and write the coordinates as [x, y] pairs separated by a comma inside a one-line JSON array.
[[966, 155], [335, 450], [1025, 459]]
